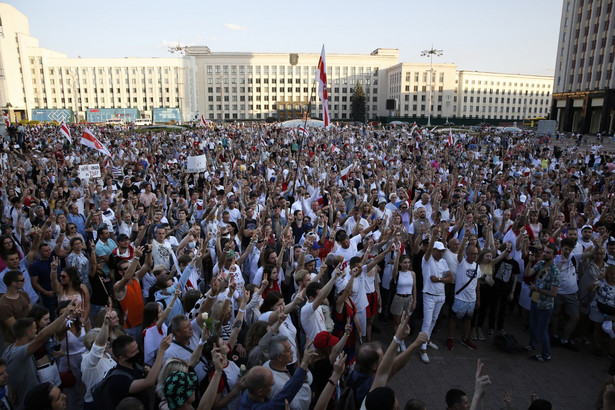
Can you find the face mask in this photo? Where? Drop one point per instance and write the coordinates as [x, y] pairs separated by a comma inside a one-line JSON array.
[[134, 359], [192, 245], [171, 290]]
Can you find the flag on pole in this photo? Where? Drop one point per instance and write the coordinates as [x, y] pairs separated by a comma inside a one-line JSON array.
[[7, 122], [450, 138], [65, 131], [302, 132], [321, 78], [203, 122], [89, 140]]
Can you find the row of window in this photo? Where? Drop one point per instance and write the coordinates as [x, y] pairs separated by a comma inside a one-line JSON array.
[[233, 69]]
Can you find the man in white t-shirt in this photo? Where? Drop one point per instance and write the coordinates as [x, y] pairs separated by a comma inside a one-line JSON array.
[[466, 297], [312, 317], [435, 274]]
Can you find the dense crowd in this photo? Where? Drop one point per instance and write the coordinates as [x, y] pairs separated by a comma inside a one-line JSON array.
[[255, 282]]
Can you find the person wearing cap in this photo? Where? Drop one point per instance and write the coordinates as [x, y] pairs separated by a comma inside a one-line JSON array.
[[435, 274], [586, 240], [381, 212], [329, 348], [178, 391]]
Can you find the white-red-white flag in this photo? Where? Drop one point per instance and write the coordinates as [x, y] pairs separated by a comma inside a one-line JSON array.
[[89, 140], [302, 132], [203, 121], [65, 131], [321, 78], [450, 138], [7, 122]]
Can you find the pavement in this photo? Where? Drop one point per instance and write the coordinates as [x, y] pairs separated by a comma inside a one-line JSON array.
[[571, 380]]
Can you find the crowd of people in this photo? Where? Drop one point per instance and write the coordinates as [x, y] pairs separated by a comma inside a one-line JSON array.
[[261, 280]]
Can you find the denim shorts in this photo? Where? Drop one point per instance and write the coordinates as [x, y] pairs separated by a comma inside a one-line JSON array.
[[463, 309]]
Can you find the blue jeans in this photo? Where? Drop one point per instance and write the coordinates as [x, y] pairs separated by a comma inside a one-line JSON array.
[[539, 328]]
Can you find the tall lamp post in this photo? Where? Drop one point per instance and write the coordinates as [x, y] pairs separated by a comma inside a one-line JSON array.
[[179, 49], [430, 54]]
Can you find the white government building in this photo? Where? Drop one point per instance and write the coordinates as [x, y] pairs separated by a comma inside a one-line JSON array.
[[45, 85]]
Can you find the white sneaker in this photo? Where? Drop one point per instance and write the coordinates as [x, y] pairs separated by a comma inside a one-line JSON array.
[[432, 345], [424, 357]]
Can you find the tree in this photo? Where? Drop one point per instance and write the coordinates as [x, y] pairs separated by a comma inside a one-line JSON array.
[[358, 103]]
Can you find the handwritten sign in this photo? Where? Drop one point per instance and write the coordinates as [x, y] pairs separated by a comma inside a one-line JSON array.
[[89, 171], [196, 164]]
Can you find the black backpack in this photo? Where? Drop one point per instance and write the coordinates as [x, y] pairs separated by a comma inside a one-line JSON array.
[[506, 343], [103, 399]]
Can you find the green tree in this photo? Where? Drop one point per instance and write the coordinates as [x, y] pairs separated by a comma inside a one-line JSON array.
[[358, 103]]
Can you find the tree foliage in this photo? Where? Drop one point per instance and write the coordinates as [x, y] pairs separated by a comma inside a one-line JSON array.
[[358, 103]]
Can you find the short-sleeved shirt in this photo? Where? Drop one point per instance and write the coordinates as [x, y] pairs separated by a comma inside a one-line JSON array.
[[27, 286], [21, 368], [466, 272], [547, 281], [105, 249], [432, 267], [312, 320], [119, 385], [16, 308]]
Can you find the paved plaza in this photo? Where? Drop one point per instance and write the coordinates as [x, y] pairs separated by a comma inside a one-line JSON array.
[[570, 381]]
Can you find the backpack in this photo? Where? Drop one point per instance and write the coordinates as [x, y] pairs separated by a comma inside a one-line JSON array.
[[348, 395], [506, 343], [103, 399]]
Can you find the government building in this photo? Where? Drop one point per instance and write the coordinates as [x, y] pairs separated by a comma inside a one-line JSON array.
[[584, 89], [45, 85]]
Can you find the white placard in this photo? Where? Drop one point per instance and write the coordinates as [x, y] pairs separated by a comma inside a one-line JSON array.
[[89, 171], [197, 164]]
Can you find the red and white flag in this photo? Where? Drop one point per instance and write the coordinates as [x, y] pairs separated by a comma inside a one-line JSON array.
[[89, 140], [65, 131], [321, 78], [302, 132], [450, 138], [6, 120], [203, 121], [335, 150]]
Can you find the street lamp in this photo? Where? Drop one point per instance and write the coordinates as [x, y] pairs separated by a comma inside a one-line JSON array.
[[430, 54], [179, 49]]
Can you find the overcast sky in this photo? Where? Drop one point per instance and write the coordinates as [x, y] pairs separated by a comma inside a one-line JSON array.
[[498, 36]]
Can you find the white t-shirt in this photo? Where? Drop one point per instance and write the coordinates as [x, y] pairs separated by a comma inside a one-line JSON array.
[[151, 342], [352, 249], [465, 272], [359, 294], [313, 321], [286, 329], [434, 268]]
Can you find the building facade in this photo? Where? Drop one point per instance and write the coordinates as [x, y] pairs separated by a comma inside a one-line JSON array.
[[41, 84], [584, 91]]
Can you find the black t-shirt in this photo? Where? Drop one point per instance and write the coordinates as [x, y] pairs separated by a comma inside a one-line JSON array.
[[321, 371], [101, 289], [505, 271], [119, 386], [132, 188]]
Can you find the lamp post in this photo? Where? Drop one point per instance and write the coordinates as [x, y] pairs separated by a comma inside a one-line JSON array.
[[430, 53], [179, 49]]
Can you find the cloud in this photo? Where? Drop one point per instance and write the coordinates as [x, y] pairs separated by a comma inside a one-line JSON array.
[[234, 27]]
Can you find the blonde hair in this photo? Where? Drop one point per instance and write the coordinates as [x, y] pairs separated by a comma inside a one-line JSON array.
[[88, 340], [171, 365]]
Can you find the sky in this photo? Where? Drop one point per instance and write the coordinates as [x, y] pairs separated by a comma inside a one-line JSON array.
[[517, 37]]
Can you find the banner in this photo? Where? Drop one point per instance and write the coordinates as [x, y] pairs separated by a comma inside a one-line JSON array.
[[197, 164], [89, 171]]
